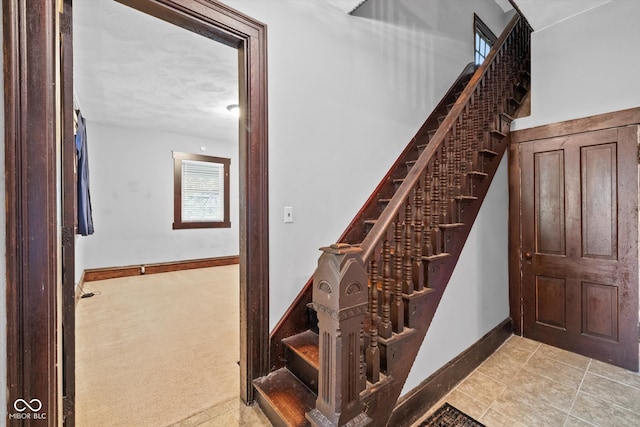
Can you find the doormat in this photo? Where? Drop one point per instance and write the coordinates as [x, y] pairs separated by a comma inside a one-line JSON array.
[[449, 416]]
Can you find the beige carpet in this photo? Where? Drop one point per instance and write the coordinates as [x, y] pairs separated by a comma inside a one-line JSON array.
[[154, 350]]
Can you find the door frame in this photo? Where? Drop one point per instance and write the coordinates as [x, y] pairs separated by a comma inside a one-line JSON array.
[[33, 164], [587, 124]]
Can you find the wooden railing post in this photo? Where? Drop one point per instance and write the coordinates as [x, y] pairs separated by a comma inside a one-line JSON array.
[[340, 300]]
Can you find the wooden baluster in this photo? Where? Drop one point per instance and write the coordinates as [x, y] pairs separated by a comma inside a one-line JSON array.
[[428, 181], [418, 270], [443, 182], [464, 149], [373, 352], [458, 157], [385, 329], [435, 215], [472, 155], [397, 305], [480, 135], [451, 173], [477, 132], [408, 286]]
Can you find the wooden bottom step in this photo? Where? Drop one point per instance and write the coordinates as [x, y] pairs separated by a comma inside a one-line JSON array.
[[302, 357], [284, 399]]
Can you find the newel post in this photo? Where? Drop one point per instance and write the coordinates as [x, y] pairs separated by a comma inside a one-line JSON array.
[[340, 299]]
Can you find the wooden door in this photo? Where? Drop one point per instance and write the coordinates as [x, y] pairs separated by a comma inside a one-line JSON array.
[[579, 225]]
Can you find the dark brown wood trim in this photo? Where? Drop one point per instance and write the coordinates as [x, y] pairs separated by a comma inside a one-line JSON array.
[[31, 144], [69, 215], [515, 260], [585, 124], [413, 404], [178, 223], [93, 274]]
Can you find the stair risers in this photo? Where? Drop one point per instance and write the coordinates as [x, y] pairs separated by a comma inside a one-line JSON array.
[[302, 358], [284, 399]]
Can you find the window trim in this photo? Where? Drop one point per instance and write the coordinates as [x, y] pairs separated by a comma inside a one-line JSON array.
[[178, 223]]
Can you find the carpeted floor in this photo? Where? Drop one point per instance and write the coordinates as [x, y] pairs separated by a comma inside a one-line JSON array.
[[153, 350]]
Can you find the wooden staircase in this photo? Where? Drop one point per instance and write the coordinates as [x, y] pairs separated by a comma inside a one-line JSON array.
[[374, 294]]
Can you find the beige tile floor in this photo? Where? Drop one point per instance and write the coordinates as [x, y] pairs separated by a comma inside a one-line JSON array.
[[526, 383]]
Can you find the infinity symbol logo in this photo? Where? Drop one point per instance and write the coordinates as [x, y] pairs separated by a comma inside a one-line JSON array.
[[22, 405]]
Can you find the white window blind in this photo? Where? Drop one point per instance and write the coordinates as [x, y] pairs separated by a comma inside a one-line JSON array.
[[202, 191]]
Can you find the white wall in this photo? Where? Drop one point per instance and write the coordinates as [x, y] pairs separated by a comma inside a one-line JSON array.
[[346, 94], [585, 65], [477, 297], [131, 173]]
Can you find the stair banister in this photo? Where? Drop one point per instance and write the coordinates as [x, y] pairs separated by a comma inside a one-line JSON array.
[[377, 233], [347, 274]]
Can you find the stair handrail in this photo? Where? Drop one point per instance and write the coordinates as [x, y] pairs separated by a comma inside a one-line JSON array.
[[391, 211], [350, 279]]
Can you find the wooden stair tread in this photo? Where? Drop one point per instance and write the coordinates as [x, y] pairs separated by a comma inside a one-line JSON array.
[[466, 198], [305, 345], [283, 396], [487, 152], [514, 100], [436, 257], [451, 226], [507, 117], [497, 133]]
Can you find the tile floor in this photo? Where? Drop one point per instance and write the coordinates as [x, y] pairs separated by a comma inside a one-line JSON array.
[[526, 383], [523, 384]]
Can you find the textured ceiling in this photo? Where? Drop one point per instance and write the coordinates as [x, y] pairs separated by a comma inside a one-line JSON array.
[[545, 13], [138, 71]]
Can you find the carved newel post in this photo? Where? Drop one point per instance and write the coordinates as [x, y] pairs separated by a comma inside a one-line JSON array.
[[340, 299]]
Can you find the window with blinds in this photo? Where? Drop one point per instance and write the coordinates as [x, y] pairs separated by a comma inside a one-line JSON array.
[[484, 40], [201, 191]]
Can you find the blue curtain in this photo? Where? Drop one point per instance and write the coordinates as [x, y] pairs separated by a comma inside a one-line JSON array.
[[85, 219]]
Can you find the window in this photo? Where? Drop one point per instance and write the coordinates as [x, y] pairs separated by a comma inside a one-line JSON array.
[[484, 39], [200, 191]]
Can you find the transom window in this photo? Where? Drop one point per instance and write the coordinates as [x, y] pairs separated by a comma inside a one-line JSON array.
[[484, 40], [201, 191]]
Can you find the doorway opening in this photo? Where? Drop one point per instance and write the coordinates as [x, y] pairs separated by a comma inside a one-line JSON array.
[[156, 347], [39, 311]]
